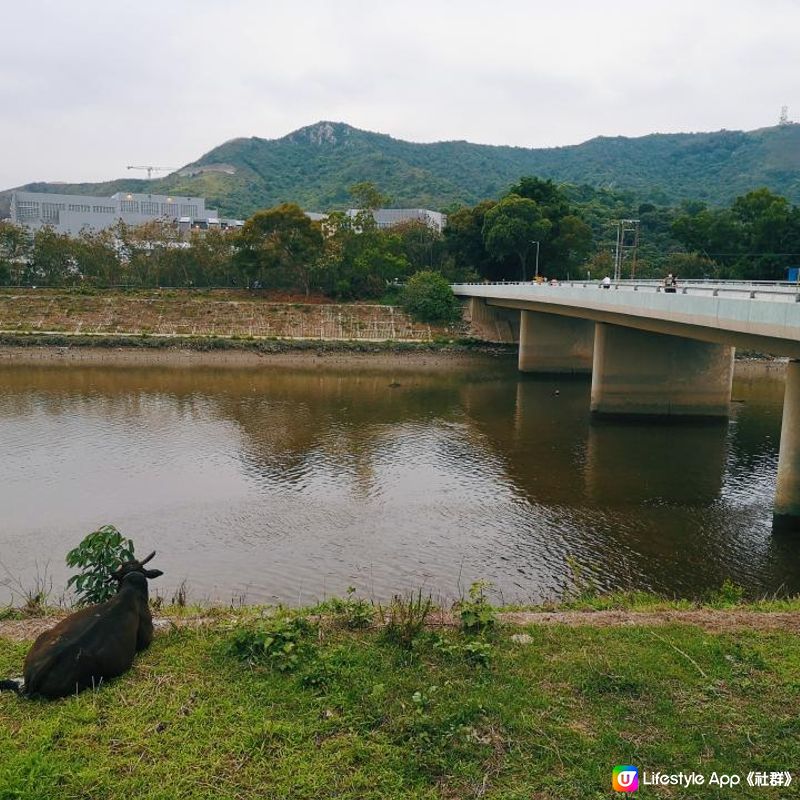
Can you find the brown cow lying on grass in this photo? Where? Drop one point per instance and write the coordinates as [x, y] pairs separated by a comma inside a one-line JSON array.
[[95, 643]]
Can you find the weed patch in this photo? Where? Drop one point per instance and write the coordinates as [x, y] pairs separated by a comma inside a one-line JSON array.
[[350, 612], [281, 643], [405, 617]]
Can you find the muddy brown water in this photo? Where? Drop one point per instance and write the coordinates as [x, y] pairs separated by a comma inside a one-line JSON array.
[[269, 483]]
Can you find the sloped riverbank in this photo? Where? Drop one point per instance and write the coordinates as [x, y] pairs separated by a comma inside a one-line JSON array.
[[526, 710]]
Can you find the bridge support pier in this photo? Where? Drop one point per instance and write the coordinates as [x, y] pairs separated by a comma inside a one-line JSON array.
[[492, 323], [786, 514], [651, 374], [550, 343]]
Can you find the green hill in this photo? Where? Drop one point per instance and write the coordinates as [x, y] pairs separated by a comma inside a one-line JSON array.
[[314, 167]]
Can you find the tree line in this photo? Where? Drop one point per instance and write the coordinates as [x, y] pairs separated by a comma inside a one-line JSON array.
[[560, 231]]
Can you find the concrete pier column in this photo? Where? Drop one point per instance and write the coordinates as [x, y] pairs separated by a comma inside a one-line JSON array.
[[651, 374], [787, 493], [550, 343], [492, 323]]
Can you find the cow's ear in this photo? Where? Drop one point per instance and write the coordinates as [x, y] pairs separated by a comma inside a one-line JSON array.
[[152, 573]]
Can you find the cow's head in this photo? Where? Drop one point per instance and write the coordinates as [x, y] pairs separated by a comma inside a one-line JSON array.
[[135, 566]]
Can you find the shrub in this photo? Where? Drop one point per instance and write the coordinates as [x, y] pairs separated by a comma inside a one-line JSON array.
[[99, 554], [280, 643], [477, 614], [428, 297]]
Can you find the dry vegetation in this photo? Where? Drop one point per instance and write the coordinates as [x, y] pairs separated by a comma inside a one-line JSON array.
[[221, 314]]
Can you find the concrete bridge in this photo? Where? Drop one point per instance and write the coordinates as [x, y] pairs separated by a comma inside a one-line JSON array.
[[654, 353]]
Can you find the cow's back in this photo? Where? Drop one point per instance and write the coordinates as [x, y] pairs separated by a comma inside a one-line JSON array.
[[96, 643]]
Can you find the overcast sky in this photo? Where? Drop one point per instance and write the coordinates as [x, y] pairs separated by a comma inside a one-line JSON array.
[[90, 86]]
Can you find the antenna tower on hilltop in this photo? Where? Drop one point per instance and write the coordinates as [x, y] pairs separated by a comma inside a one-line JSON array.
[[784, 117]]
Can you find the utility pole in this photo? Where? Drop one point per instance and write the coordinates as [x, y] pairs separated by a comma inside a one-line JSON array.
[[627, 243], [536, 274]]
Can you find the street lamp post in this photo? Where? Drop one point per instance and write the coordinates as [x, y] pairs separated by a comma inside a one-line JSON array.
[[536, 274]]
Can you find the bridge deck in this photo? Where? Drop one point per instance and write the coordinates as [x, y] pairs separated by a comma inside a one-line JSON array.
[[758, 316]]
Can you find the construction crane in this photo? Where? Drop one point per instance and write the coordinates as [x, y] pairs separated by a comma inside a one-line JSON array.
[[151, 169]]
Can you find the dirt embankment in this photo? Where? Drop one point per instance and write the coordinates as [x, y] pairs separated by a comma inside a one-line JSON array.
[[196, 314], [289, 356]]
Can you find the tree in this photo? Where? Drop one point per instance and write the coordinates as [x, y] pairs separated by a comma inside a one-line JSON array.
[[570, 238], [280, 239], [464, 239], [360, 259], [96, 257], [210, 254], [573, 242], [756, 238], [422, 245], [367, 197], [512, 227], [14, 252], [428, 297], [51, 262], [546, 194]]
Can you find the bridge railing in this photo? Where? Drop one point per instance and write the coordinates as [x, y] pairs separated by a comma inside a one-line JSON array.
[[775, 291]]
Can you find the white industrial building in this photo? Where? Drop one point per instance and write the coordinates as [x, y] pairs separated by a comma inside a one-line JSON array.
[[388, 217], [72, 213]]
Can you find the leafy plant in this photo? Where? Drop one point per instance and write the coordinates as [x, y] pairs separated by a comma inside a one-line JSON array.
[[422, 699], [729, 594], [473, 651], [279, 643], [405, 618], [98, 555], [351, 612], [477, 614]]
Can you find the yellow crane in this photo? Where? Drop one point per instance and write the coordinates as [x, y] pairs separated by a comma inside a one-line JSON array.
[[151, 169]]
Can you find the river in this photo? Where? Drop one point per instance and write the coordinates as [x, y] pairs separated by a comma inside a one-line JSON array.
[[264, 484]]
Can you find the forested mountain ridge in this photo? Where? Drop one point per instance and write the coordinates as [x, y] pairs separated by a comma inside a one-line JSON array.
[[314, 167]]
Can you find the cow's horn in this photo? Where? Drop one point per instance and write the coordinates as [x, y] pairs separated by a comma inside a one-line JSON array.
[[144, 561]]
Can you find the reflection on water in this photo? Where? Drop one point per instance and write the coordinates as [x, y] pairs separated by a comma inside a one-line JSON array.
[[288, 485]]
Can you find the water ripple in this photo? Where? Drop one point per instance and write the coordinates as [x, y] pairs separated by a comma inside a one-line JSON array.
[[293, 486]]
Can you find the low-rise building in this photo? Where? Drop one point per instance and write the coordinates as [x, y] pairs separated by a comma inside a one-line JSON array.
[[388, 217], [72, 213]]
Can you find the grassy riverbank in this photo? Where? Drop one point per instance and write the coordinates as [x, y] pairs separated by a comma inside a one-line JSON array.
[[525, 711]]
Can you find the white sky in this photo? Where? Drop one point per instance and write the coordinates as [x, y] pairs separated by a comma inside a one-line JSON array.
[[90, 86]]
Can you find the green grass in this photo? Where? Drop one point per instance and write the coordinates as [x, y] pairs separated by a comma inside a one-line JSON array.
[[359, 717]]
